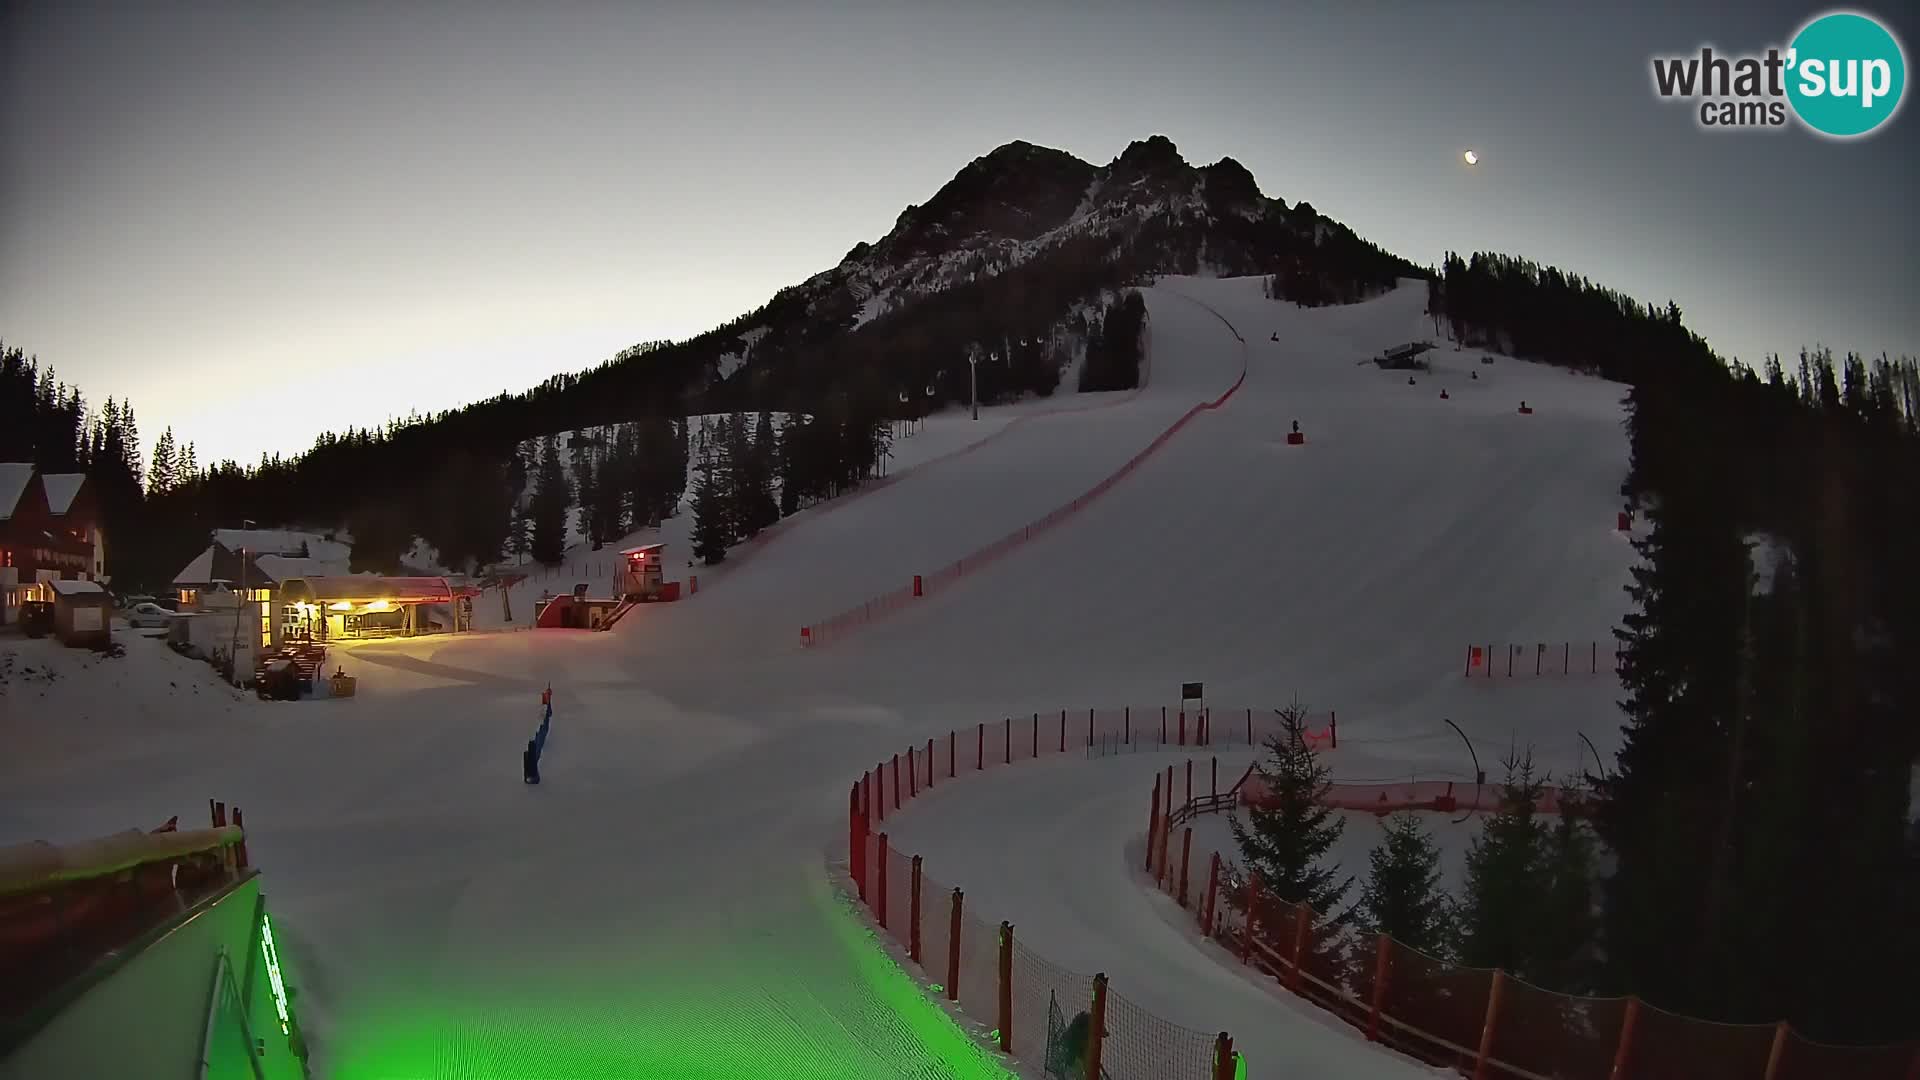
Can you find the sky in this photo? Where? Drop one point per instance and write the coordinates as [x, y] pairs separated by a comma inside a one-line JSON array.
[[262, 221]]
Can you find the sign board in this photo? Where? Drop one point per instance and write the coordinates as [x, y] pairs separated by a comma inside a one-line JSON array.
[[86, 619], [1189, 691]]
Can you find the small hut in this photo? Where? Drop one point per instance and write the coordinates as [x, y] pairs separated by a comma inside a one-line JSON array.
[[82, 612]]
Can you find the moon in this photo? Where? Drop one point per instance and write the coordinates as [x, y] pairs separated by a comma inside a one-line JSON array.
[[1471, 158]]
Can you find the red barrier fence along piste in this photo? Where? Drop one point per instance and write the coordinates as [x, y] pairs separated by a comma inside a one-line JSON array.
[[1482, 1022], [878, 607], [1541, 659], [981, 963]]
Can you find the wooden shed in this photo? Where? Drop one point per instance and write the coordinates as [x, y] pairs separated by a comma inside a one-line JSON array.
[[82, 612]]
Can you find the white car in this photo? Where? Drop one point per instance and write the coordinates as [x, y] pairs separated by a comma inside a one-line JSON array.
[[142, 615]]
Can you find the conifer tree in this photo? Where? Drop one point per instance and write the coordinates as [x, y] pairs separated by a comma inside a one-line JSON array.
[[161, 473], [1508, 883], [711, 518], [1403, 897], [1285, 840], [551, 498]]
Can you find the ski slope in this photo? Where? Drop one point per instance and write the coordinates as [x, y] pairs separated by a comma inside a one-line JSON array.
[[660, 904]]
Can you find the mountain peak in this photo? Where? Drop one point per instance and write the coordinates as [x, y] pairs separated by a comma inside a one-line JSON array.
[[1156, 153]]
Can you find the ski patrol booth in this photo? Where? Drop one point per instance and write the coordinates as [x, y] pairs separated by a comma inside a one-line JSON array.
[[642, 578]]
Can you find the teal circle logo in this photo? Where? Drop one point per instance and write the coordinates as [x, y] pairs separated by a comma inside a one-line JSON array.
[[1846, 74]]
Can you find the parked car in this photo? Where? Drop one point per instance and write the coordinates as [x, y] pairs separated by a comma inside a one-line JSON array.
[[148, 614], [36, 618]]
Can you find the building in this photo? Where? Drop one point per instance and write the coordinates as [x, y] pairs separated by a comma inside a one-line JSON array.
[[82, 612], [49, 531], [248, 566]]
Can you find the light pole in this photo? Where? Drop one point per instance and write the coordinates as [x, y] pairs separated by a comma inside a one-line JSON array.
[[973, 379]]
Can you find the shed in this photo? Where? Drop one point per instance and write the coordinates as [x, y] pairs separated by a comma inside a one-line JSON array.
[[365, 605], [82, 612]]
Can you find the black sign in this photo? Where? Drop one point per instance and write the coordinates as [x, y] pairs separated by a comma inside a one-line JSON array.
[[1189, 691]]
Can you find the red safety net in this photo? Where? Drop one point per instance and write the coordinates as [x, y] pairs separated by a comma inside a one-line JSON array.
[[1037, 983], [980, 969], [1668, 1046], [899, 896], [1549, 1034]]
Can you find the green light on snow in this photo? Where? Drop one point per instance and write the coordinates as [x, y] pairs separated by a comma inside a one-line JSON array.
[[273, 972]]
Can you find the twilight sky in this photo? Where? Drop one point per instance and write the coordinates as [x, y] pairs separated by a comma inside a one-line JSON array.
[[258, 221]]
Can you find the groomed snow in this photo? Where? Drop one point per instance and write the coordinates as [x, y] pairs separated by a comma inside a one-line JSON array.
[[668, 874]]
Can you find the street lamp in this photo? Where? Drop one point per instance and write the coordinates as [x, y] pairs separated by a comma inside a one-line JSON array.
[[973, 379]]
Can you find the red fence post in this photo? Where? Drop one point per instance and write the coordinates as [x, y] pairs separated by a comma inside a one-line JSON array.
[[1214, 787], [896, 781], [929, 763], [1223, 1057], [1596, 658], [1382, 950], [1163, 725], [1089, 726], [913, 915], [880, 790], [1006, 988], [1333, 727], [1036, 735], [916, 586], [950, 754], [1063, 731], [1486, 1030], [913, 776], [1566, 658], [1302, 918], [1008, 740], [1249, 729], [1126, 720], [980, 748], [1183, 727], [856, 843], [1246, 939], [1778, 1051], [1096, 1025], [1624, 1050], [1188, 801], [953, 947], [1213, 894], [880, 883], [1153, 821], [1186, 853]]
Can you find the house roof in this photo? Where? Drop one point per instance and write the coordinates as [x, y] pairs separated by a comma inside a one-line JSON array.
[[14, 478], [284, 567], [199, 571], [75, 587], [61, 488], [282, 542], [364, 587]]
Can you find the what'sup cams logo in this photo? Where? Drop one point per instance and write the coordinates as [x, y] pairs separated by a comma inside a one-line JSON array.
[[1842, 75]]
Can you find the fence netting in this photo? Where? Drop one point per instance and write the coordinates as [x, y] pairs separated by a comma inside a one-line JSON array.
[[1668, 1046], [899, 896], [980, 968], [1142, 1046], [1560, 1035], [1036, 983]]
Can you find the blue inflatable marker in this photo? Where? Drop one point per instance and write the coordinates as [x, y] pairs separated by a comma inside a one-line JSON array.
[[530, 757]]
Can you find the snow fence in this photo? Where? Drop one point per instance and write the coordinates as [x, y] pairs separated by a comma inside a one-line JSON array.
[[1481, 1022]]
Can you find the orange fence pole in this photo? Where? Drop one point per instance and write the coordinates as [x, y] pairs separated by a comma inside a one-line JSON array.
[[1006, 988], [1213, 893], [1153, 821], [856, 844], [881, 884], [953, 947], [1486, 1030], [1223, 1057], [913, 914], [1097, 1024], [1382, 952], [1186, 852], [1246, 942], [1301, 920], [1625, 1049], [1778, 1051]]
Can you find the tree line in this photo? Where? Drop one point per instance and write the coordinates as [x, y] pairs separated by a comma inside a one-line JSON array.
[[1758, 818]]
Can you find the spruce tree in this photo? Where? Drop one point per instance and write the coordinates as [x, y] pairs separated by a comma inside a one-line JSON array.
[[161, 473], [1285, 840], [1566, 958], [587, 491], [711, 519], [1508, 882], [551, 497], [1403, 897]]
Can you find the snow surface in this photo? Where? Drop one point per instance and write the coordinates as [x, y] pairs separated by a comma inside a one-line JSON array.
[[670, 870]]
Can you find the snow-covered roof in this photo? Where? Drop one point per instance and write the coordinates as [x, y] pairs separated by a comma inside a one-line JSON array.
[[281, 542], [14, 478], [282, 567], [75, 587], [363, 587], [61, 488], [199, 571]]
